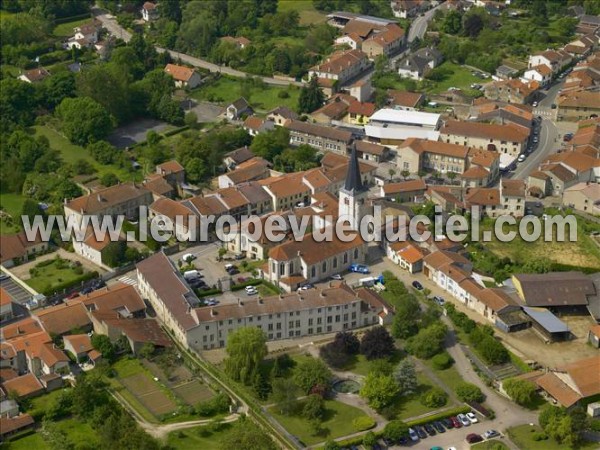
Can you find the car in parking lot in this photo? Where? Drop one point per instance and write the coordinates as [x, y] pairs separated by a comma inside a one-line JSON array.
[[473, 438], [337, 277], [448, 423], [73, 295], [464, 420], [418, 286], [567, 137], [358, 268], [522, 157], [421, 432], [438, 427], [412, 434], [490, 434], [457, 423], [306, 287], [472, 417], [86, 290], [439, 300], [430, 430]]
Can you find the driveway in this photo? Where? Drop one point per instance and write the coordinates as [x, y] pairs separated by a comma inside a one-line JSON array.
[[135, 132], [205, 111]]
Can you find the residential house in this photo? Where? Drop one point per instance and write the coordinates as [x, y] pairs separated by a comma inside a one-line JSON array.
[[406, 9], [507, 199], [236, 157], [556, 60], [404, 191], [419, 63], [281, 114], [6, 305], [407, 255], [594, 336], [150, 12], [416, 155], [95, 248], [184, 76], [362, 90], [336, 109], [34, 75], [340, 67], [581, 47], [484, 168], [578, 105], [79, 345], [540, 73], [409, 101], [449, 271], [179, 215], [16, 248], [359, 112], [492, 302], [510, 139], [511, 91], [370, 151], [539, 184], [13, 425], [248, 198], [121, 199], [386, 43], [238, 109], [325, 139], [573, 383], [254, 125], [583, 197], [172, 172], [85, 35], [24, 386], [504, 72], [287, 191], [254, 169]]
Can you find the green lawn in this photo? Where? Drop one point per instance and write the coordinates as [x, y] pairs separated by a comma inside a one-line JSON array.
[[308, 14], [37, 406], [458, 76], [494, 444], [127, 367], [66, 29], [450, 376], [362, 366], [51, 275], [337, 422], [29, 442], [12, 204], [410, 406], [198, 437], [522, 436], [226, 90], [71, 152]]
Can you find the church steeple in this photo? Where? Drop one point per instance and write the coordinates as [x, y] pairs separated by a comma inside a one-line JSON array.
[[353, 179]]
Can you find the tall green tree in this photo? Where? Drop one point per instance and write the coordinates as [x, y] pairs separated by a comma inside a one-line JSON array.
[[84, 120], [379, 390], [246, 435], [311, 97], [246, 348], [311, 372]]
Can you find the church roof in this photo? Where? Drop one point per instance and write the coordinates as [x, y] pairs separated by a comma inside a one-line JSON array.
[[353, 179]]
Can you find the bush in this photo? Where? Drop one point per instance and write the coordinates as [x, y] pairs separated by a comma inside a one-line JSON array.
[[216, 405], [468, 392], [539, 436], [434, 398], [442, 361], [283, 94], [363, 423]]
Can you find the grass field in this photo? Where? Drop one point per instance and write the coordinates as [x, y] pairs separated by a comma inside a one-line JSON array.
[[193, 392], [52, 275], [38, 405], [337, 423], [308, 14], [522, 436], [450, 376], [199, 437], [226, 90], [494, 444], [71, 153], [362, 366], [458, 76], [66, 29], [78, 434], [11, 204], [410, 406], [32, 441]]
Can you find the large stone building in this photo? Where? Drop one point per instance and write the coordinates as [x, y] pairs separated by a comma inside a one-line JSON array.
[[324, 139]]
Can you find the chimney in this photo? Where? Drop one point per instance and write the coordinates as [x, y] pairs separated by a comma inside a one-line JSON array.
[[239, 302], [99, 197], [322, 294], [280, 296], [189, 309], [260, 301], [212, 312], [299, 253]]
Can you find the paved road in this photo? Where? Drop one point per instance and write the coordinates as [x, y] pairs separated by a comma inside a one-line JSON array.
[[419, 26], [110, 23]]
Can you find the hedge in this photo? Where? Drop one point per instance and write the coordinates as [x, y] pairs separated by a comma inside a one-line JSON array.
[[252, 282], [208, 293], [67, 284], [363, 423]]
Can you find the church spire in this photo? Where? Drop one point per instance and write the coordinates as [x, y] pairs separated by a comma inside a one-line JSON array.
[[353, 178]]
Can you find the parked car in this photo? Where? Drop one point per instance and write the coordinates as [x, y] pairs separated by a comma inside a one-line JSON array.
[[242, 279], [522, 157], [239, 256], [438, 427], [421, 432], [472, 417], [430, 430], [567, 137], [448, 423], [418, 286], [73, 295], [464, 420], [473, 438], [412, 434], [359, 268], [436, 448], [86, 290], [456, 422], [534, 104], [337, 277], [553, 106], [439, 300], [490, 434], [233, 271]]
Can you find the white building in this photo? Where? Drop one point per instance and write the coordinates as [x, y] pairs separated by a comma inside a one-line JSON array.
[[392, 126]]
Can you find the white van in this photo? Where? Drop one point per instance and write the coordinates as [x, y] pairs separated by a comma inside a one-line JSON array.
[[191, 274]]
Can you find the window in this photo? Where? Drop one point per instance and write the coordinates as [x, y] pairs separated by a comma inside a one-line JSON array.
[[324, 266], [310, 331], [355, 253], [297, 324], [329, 319], [345, 258], [278, 335], [319, 321], [310, 321], [313, 272], [337, 318], [270, 327], [291, 324], [335, 262], [278, 326]]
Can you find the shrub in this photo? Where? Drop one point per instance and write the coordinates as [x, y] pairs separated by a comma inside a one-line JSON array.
[[434, 398], [363, 423], [218, 404], [468, 392], [283, 94], [442, 361], [539, 436]]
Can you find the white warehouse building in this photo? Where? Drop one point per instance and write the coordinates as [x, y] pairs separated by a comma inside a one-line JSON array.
[[393, 126]]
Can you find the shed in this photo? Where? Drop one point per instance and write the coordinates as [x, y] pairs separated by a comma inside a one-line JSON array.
[[550, 326]]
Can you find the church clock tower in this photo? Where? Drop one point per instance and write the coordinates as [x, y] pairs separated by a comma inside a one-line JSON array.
[[353, 196]]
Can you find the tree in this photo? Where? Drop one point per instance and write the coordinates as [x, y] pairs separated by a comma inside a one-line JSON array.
[[103, 152], [84, 120], [331, 445], [311, 97], [395, 430], [245, 435], [113, 254], [109, 179], [452, 23], [473, 23], [246, 348], [30, 209], [382, 366], [428, 341], [391, 172], [566, 427], [369, 440], [377, 343], [311, 372], [271, 144], [261, 385], [468, 392], [285, 395], [379, 390], [314, 410], [102, 343], [405, 174], [406, 377], [147, 350], [332, 355], [442, 361], [521, 391], [17, 102], [434, 398]]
